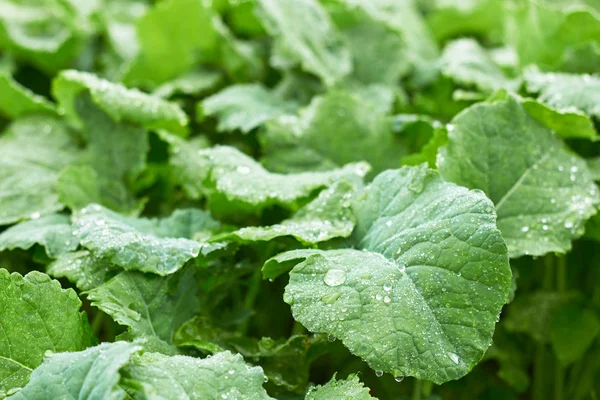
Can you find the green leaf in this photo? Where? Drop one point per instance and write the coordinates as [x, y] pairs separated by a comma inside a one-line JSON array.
[[336, 129], [82, 269], [305, 34], [420, 291], [52, 231], [118, 102], [89, 374], [553, 38], [468, 64], [32, 152], [46, 33], [151, 306], [222, 376], [132, 243], [348, 389], [450, 19], [543, 192], [244, 107], [78, 185], [326, 217], [234, 183], [174, 36], [36, 316], [572, 331], [565, 91], [17, 100]]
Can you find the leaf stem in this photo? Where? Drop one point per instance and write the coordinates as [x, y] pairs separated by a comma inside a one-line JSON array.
[[97, 322], [417, 390], [559, 371]]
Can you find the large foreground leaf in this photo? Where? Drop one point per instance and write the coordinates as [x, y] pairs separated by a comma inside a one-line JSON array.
[[349, 389], [543, 192], [222, 376], [91, 374], [420, 292], [36, 316]]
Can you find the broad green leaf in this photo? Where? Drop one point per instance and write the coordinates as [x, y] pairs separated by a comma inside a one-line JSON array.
[[420, 291], [566, 91], [32, 152], [222, 376], [305, 34], [480, 18], [543, 192], [132, 243], [336, 129], [572, 331], [244, 107], [91, 374], [82, 269], [533, 313], [52, 231], [468, 64], [151, 306], [118, 102], [36, 315], [346, 389], [554, 38], [327, 217], [174, 35], [190, 84], [234, 183], [17, 100]]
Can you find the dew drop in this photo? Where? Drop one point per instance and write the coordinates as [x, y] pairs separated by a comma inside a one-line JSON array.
[[569, 224], [387, 287], [399, 250], [386, 299], [545, 227], [388, 223], [331, 338], [454, 357], [35, 215], [334, 277], [231, 372], [399, 379], [379, 373], [242, 169], [378, 297], [402, 268], [525, 229], [266, 379]]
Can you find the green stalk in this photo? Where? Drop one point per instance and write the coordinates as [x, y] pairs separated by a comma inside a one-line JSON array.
[[559, 371], [97, 322], [252, 294], [539, 378], [417, 390]]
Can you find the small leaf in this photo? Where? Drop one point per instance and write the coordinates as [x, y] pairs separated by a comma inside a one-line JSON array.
[[222, 376], [348, 389], [132, 243], [244, 107], [572, 331], [306, 34], [117, 101], [52, 231]]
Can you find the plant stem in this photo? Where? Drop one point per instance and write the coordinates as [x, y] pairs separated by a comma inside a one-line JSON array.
[[540, 360], [561, 285], [417, 390], [252, 294], [97, 323]]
